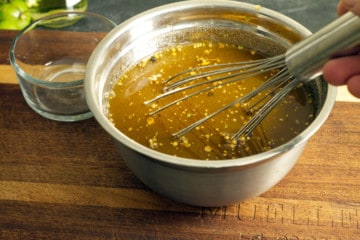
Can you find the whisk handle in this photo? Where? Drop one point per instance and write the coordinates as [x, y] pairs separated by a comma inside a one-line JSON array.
[[341, 37]]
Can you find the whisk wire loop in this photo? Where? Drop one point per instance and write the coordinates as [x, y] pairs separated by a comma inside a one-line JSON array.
[[243, 70], [236, 69], [213, 76], [278, 80], [265, 109]]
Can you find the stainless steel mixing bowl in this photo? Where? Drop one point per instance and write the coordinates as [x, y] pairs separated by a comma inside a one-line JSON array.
[[197, 182]]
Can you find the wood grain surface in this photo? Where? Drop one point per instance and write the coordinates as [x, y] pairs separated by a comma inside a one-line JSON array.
[[67, 181]]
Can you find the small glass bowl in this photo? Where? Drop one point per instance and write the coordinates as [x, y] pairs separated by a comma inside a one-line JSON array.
[[49, 58]]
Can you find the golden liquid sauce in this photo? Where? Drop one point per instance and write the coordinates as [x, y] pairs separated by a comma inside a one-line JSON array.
[[209, 141]]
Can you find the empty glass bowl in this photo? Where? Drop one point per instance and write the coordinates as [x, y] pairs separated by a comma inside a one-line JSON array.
[[49, 58]]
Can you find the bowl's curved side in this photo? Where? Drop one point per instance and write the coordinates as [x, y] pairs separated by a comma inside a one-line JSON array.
[[210, 188]]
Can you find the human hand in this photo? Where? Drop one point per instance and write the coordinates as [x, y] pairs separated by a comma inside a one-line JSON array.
[[345, 70], [348, 5]]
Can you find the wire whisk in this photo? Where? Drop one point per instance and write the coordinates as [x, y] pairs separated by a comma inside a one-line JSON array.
[[301, 63]]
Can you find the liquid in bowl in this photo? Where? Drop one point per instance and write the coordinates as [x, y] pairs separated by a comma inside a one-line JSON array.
[[211, 140]]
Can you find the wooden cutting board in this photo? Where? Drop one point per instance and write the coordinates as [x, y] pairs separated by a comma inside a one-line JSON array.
[[67, 181]]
